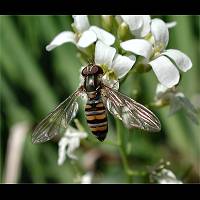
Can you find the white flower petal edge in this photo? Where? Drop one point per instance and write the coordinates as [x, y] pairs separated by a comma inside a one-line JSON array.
[[162, 93], [61, 150], [63, 37], [104, 54], [138, 46], [87, 178], [171, 24], [72, 146], [145, 29], [81, 23], [134, 21], [102, 35], [182, 61], [121, 65], [86, 39], [160, 33], [160, 89], [68, 143], [110, 82], [168, 177], [166, 71]]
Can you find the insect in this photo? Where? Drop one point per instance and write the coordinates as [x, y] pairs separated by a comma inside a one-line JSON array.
[[100, 99]]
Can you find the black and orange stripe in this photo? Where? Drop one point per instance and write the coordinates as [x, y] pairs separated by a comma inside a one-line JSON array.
[[96, 115]]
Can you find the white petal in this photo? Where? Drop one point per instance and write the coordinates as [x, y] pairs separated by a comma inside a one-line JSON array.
[[166, 71], [163, 93], [145, 29], [61, 150], [103, 35], [81, 22], [160, 32], [160, 89], [87, 178], [72, 132], [86, 39], [69, 143], [138, 46], [104, 54], [82, 134], [171, 24], [110, 82], [182, 61], [167, 177], [134, 21], [74, 143], [121, 65], [63, 37]]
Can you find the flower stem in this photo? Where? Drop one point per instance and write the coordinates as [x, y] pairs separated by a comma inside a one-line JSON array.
[[79, 125], [122, 144], [123, 152]]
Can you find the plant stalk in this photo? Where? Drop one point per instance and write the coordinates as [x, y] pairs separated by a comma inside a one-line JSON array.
[[123, 152]]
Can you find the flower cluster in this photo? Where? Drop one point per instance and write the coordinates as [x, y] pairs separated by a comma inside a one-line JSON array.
[[153, 49], [160, 174], [147, 41], [69, 143], [133, 43], [165, 176], [83, 35]]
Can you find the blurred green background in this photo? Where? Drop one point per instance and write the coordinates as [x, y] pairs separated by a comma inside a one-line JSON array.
[[33, 81]]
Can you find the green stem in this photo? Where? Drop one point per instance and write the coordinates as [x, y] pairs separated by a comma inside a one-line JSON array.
[[122, 145], [123, 152], [79, 125]]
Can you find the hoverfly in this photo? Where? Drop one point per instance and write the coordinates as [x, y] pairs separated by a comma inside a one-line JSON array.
[[100, 98]]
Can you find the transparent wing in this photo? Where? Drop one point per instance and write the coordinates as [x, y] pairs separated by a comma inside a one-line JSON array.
[[129, 111], [59, 118]]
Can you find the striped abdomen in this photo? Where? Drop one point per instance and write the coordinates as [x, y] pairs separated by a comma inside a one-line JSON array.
[[96, 115]]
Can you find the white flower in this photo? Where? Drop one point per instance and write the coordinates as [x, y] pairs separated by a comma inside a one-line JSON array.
[[166, 176], [85, 34], [163, 62], [163, 93], [139, 25], [177, 101], [115, 66], [87, 178], [69, 143], [161, 175]]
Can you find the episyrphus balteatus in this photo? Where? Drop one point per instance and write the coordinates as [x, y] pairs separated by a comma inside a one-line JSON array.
[[100, 98]]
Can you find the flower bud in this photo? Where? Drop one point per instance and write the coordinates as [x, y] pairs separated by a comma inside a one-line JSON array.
[[74, 28], [123, 32], [107, 22], [142, 68]]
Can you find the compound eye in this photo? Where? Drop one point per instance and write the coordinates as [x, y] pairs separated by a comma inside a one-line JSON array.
[[97, 70], [94, 70], [84, 72], [100, 70]]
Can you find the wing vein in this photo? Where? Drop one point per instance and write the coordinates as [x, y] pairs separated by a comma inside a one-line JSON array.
[[129, 111]]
